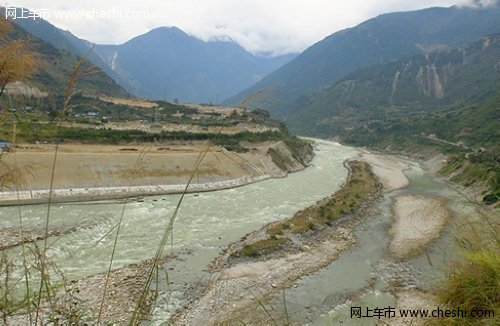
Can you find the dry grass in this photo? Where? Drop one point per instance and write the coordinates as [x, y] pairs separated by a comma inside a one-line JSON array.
[[472, 282]]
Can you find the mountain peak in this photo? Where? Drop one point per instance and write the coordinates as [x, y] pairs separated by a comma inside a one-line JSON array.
[[169, 31]]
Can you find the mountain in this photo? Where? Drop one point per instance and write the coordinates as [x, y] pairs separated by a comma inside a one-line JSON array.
[[54, 67], [447, 102], [451, 94], [383, 39], [168, 64]]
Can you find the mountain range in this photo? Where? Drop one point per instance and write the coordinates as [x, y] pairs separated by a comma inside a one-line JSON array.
[[388, 68], [167, 64], [380, 40], [452, 94]]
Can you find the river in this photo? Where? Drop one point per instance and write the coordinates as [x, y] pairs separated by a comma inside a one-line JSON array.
[[358, 278], [206, 223]]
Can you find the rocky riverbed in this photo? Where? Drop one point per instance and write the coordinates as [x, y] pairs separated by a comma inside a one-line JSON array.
[[242, 284]]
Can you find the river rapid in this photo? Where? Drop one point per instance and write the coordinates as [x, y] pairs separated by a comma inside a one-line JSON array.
[[206, 223]]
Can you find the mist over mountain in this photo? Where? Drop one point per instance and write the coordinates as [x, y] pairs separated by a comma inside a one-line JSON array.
[[168, 64]]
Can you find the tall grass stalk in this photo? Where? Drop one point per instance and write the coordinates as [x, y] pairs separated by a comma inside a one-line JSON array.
[[137, 314], [139, 163], [263, 306], [108, 273], [472, 281], [23, 246], [286, 309], [44, 282]]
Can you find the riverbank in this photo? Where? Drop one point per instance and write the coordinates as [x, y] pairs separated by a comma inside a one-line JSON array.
[[105, 172], [247, 288], [273, 258], [114, 193], [388, 168], [313, 253], [80, 301]]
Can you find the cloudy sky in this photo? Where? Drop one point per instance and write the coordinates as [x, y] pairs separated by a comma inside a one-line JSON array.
[[272, 26]]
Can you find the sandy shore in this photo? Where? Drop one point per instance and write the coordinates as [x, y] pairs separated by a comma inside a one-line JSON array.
[[389, 169], [411, 300], [418, 221], [238, 288]]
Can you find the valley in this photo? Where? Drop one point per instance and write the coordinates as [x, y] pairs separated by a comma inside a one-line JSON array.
[[203, 178]]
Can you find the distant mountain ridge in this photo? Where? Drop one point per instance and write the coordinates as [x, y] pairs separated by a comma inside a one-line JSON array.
[[379, 40], [166, 63]]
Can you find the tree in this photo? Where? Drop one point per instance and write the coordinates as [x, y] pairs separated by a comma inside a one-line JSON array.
[[17, 62]]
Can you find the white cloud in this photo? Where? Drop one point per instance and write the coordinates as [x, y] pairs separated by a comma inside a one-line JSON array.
[[480, 3], [277, 26]]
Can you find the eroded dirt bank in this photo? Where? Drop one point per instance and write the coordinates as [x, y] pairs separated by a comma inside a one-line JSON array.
[[100, 172]]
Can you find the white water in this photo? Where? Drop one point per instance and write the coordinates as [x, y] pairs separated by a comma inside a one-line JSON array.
[[206, 222]]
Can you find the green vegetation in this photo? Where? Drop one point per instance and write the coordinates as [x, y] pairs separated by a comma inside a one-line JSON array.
[[395, 103], [360, 185], [263, 247], [472, 282], [47, 133], [383, 39], [281, 160], [476, 168], [438, 103], [82, 124]]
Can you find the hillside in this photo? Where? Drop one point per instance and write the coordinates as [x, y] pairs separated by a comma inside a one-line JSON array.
[[60, 39], [54, 68], [443, 102], [451, 93], [377, 41]]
